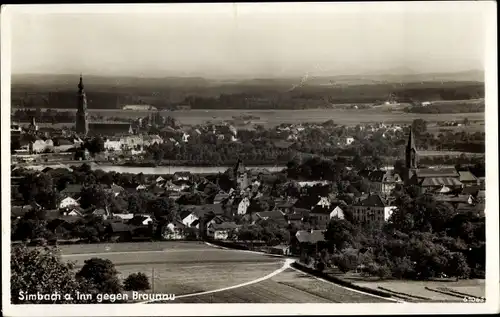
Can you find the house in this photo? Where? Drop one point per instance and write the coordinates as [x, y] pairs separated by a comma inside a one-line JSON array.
[[132, 142], [348, 140], [19, 211], [275, 216], [222, 231], [141, 187], [384, 182], [220, 197], [464, 208], [113, 144], [481, 196], [243, 206], [468, 179], [101, 213], [139, 107], [430, 179], [192, 215], [140, 220], [323, 202], [294, 218], [337, 212], [123, 217], [115, 190], [62, 226], [312, 183], [240, 174], [71, 190], [160, 179], [68, 202], [40, 146], [175, 195], [215, 219], [119, 231], [176, 188], [372, 209], [174, 231], [182, 177], [319, 217], [74, 212], [280, 250], [310, 236], [250, 218], [454, 200]]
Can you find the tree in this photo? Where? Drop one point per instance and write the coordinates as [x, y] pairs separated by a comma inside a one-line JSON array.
[[42, 270], [457, 266], [94, 146], [101, 276], [419, 126], [339, 233], [257, 205], [162, 207], [39, 187], [137, 282], [15, 144], [93, 195], [346, 261], [191, 199]]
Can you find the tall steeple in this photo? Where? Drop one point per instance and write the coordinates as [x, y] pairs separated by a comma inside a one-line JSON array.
[[82, 125], [411, 152], [80, 84]]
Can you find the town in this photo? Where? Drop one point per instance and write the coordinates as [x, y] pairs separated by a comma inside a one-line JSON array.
[[290, 156], [323, 208]]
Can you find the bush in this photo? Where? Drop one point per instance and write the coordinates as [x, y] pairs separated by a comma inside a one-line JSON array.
[[403, 268], [41, 269], [101, 275], [383, 271], [137, 282], [320, 266], [345, 262]]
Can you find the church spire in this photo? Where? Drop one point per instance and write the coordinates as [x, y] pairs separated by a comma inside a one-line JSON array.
[[411, 141], [411, 152], [80, 84], [82, 125]]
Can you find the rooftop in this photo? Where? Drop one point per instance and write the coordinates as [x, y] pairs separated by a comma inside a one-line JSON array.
[[439, 181]]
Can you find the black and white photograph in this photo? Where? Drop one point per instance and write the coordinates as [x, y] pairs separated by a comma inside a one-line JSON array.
[[250, 153]]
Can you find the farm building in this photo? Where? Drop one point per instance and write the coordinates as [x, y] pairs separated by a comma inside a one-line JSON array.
[[139, 107]]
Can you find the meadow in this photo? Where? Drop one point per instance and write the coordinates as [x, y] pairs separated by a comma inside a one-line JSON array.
[[188, 268]]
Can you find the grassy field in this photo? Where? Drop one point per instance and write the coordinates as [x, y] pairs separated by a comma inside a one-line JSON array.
[[190, 267], [76, 249], [447, 153], [275, 117], [417, 288]]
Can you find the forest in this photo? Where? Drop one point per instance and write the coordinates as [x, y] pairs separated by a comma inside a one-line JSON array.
[[263, 95]]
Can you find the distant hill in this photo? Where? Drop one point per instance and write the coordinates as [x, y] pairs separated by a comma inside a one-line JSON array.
[[391, 76], [58, 91]]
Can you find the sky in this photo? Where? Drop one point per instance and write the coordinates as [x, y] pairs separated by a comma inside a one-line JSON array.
[[247, 40]]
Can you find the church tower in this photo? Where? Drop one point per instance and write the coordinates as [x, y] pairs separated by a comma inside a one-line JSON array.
[[411, 157], [82, 125]]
